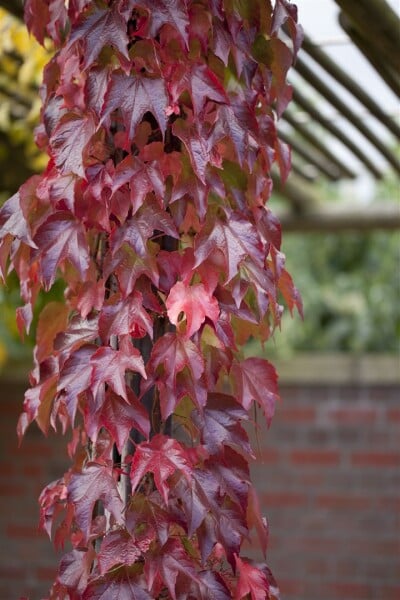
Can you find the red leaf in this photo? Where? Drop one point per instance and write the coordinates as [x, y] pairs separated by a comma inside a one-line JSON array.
[[117, 548], [97, 82], [135, 96], [262, 281], [109, 366], [232, 472], [174, 353], [256, 379], [36, 16], [222, 41], [75, 569], [61, 238], [52, 320], [80, 331], [290, 293], [143, 177], [116, 588], [195, 302], [167, 12], [122, 317], [51, 501], [13, 222], [268, 224], [120, 417], [75, 377], [236, 239], [234, 131], [220, 424], [95, 482], [199, 144], [191, 185], [255, 519], [87, 295], [201, 83], [170, 562], [223, 525], [198, 497], [39, 401], [147, 510], [212, 586], [69, 140], [283, 155], [128, 267], [104, 27], [251, 581], [162, 456], [137, 231]]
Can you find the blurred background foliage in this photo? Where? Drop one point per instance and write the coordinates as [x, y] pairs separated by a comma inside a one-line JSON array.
[[350, 285], [350, 281], [21, 63]]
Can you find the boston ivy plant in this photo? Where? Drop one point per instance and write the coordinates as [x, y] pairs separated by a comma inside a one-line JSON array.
[[159, 120]]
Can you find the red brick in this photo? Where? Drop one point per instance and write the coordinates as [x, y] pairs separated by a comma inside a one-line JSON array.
[[313, 478], [11, 489], [389, 504], [290, 586], [315, 457], [268, 456], [297, 414], [353, 416], [46, 573], [34, 450], [11, 571], [23, 531], [33, 471], [390, 592], [393, 414], [337, 501], [7, 469], [376, 459]]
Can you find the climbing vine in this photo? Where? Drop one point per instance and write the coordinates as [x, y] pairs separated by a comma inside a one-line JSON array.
[[159, 121]]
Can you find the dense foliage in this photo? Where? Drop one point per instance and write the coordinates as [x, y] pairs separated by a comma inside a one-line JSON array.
[[159, 120]]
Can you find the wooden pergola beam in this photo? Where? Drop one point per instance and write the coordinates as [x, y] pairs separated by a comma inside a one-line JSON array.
[[331, 171], [316, 142], [325, 61], [324, 221], [378, 24], [307, 73], [303, 171], [300, 196], [315, 114], [389, 74]]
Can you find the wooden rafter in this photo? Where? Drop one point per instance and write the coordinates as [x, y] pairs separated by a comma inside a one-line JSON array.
[[329, 169], [325, 61], [317, 143], [323, 220], [338, 133], [331, 96]]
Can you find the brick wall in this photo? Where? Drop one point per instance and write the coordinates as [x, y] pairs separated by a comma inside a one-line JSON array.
[[328, 474], [27, 563], [329, 479]]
